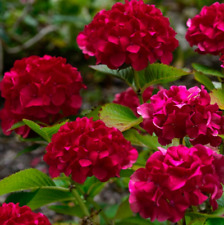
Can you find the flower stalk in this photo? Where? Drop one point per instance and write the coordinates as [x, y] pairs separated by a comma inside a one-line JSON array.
[[80, 201]]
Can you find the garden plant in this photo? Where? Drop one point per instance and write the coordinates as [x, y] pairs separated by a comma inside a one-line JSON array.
[[160, 143]]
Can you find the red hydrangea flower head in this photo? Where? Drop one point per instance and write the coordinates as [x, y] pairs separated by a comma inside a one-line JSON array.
[[39, 88], [132, 33], [206, 30], [178, 112], [130, 99], [86, 148], [13, 214], [175, 179]]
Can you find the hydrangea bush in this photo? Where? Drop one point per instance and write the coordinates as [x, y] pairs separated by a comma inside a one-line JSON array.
[[161, 143]]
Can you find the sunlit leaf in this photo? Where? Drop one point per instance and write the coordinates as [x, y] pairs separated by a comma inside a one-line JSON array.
[[144, 140], [36, 128], [25, 180], [217, 96], [159, 73], [119, 116]]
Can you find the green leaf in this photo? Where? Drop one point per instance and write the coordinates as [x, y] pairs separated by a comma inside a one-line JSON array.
[[136, 220], [53, 129], [17, 125], [68, 210], [92, 186], [23, 180], [200, 77], [94, 113], [124, 210], [110, 210], [217, 96], [36, 128], [159, 73], [139, 139], [126, 74], [28, 149], [126, 173], [195, 219], [206, 70], [215, 221], [41, 197], [119, 116]]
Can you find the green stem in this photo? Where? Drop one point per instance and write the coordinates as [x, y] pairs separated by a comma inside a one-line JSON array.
[[80, 201], [90, 199], [106, 219], [138, 87]]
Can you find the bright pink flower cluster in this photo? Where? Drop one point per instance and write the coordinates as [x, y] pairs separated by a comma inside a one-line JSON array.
[[130, 99], [178, 112], [86, 148], [13, 214], [39, 88], [206, 30], [175, 179], [132, 33]]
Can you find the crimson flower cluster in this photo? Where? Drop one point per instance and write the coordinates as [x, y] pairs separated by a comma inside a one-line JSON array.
[[206, 30], [178, 112], [39, 88], [86, 148], [175, 179], [132, 33], [130, 99], [13, 214]]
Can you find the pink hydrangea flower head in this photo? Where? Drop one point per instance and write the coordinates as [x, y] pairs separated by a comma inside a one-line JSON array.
[[178, 112], [175, 179], [13, 214], [86, 148], [132, 33], [130, 99], [44, 88], [206, 30]]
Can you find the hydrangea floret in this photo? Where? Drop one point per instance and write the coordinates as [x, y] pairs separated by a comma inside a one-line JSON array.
[[43, 89], [85, 148], [180, 112], [175, 179], [206, 30], [13, 214], [133, 33]]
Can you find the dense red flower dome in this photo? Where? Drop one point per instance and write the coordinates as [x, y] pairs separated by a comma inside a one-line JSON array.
[[86, 148], [178, 112], [175, 179], [206, 30], [132, 33], [39, 88], [12, 214], [130, 99]]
